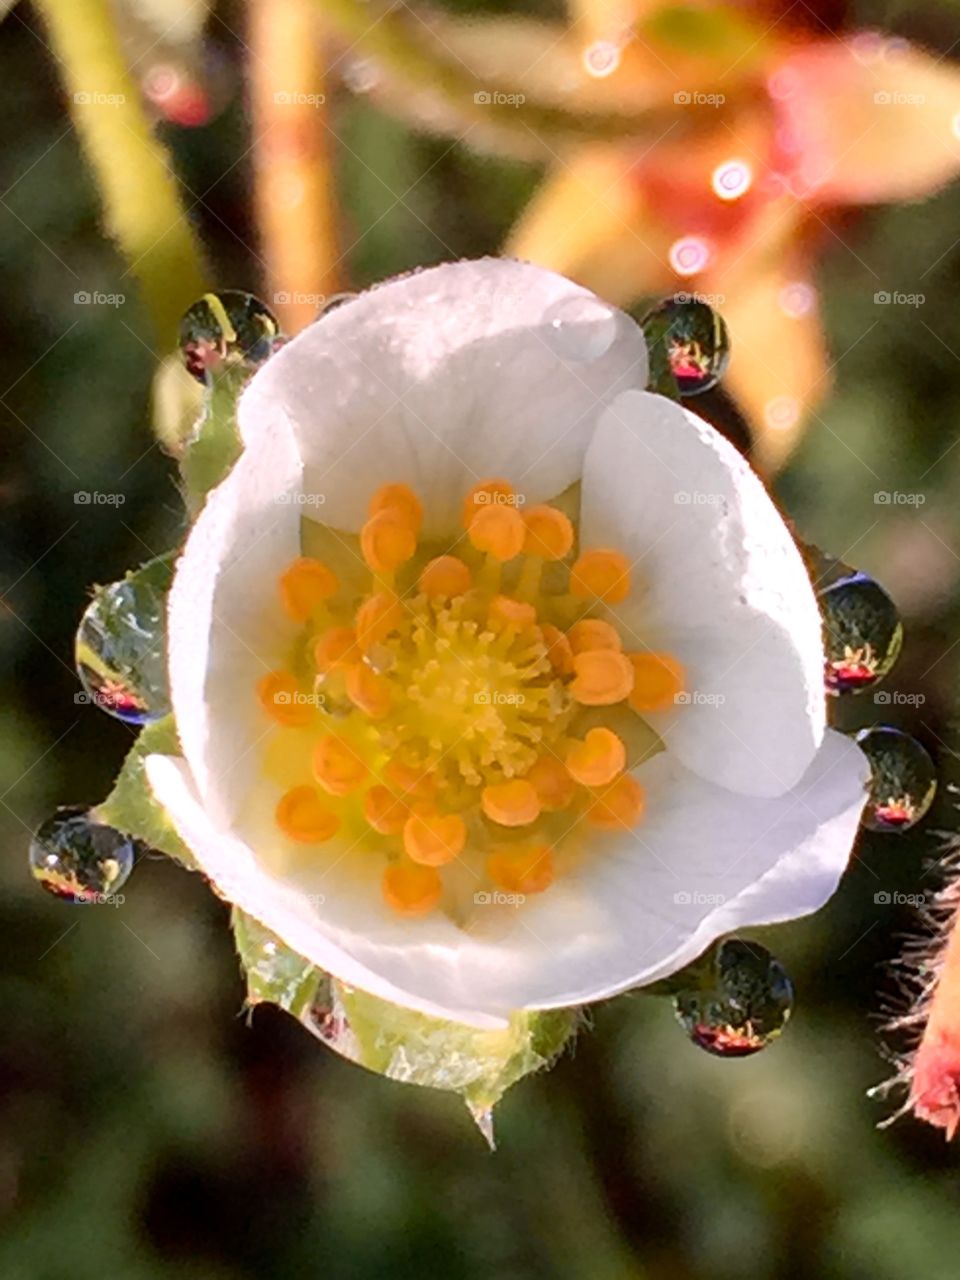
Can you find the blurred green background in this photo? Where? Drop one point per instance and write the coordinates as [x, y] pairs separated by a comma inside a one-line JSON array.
[[148, 1129]]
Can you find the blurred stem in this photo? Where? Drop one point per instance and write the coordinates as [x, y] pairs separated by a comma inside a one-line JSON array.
[[141, 203], [294, 181], [417, 58]]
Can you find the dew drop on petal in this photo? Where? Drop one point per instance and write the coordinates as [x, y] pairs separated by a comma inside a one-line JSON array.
[[120, 648], [77, 859], [743, 1008], [227, 328], [862, 633], [601, 59], [732, 179], [903, 779], [689, 255], [695, 340], [581, 327]]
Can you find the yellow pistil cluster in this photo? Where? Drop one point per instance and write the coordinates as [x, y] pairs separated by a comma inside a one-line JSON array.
[[470, 709]]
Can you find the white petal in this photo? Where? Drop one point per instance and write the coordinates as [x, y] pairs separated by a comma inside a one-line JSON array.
[[225, 625], [706, 861], [446, 377], [719, 582]]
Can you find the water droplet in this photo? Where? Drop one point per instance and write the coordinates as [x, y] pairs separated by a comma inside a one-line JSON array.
[[862, 633], [732, 179], [80, 860], [689, 255], [797, 299], [695, 340], [227, 328], [903, 779], [581, 327], [744, 1004], [120, 647], [601, 59]]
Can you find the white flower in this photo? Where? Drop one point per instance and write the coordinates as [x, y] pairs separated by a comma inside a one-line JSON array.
[[438, 381]]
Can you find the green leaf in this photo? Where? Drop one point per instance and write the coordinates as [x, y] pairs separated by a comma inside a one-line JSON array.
[[215, 446], [131, 807]]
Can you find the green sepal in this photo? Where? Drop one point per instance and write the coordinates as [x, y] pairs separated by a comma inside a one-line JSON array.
[[131, 807], [216, 444], [399, 1043]]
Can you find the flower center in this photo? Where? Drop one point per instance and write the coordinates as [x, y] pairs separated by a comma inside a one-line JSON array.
[[471, 709]]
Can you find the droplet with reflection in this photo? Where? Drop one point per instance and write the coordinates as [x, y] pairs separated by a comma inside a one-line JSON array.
[[903, 779], [742, 1003], [862, 633], [77, 859]]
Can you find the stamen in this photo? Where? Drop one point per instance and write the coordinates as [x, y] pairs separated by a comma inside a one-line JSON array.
[[617, 806], [488, 493], [506, 614], [511, 804], [302, 816], [549, 533], [444, 578], [411, 890], [387, 542], [377, 617], [402, 503], [278, 693], [304, 586], [434, 839], [336, 649], [593, 633], [409, 780], [658, 679], [559, 652], [526, 870], [601, 678], [601, 575], [498, 531], [384, 811], [369, 691], [337, 767], [598, 759], [554, 787]]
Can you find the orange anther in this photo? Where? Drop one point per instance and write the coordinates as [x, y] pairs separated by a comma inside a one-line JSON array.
[[337, 767], [409, 780], [376, 618], [384, 811], [597, 759], [446, 576], [511, 804], [618, 805], [549, 533], [282, 700], [601, 575], [601, 677], [505, 612], [434, 839], [304, 585], [523, 870], [402, 503], [658, 680], [302, 816], [549, 778], [559, 652], [499, 531], [411, 890], [593, 633], [488, 493], [336, 648], [369, 690], [387, 542]]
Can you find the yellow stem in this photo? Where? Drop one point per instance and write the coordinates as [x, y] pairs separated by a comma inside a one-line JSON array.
[[142, 209]]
